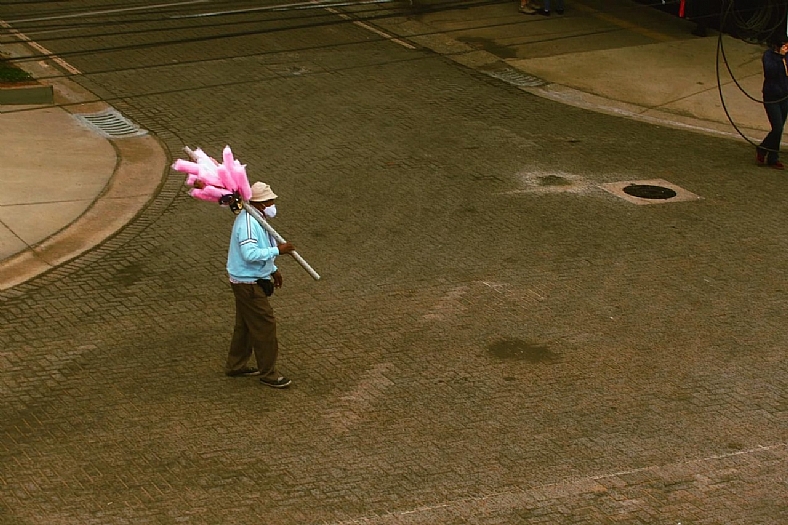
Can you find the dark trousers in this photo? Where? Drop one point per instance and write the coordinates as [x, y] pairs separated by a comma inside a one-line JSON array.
[[777, 112], [254, 331]]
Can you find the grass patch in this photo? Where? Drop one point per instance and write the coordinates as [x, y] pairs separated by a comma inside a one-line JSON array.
[[11, 73]]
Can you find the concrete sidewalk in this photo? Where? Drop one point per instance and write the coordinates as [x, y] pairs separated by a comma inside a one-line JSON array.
[[66, 185], [617, 57], [51, 174]]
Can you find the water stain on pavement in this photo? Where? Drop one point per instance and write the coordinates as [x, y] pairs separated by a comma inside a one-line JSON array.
[[554, 180], [129, 275], [517, 349], [489, 45]]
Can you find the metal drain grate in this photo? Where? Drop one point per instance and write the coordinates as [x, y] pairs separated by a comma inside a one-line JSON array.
[[111, 124], [516, 77]]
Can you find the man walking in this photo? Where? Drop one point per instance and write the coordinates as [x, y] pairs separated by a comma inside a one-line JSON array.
[[253, 277], [775, 102]]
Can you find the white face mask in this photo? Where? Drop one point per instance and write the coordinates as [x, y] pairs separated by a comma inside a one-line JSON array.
[[270, 211]]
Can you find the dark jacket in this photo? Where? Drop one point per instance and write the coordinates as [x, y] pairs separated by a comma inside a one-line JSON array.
[[775, 78]]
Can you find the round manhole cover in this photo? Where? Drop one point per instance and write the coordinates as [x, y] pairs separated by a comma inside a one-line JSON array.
[[647, 191]]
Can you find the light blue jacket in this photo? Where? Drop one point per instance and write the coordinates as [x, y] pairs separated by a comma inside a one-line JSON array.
[[252, 251]]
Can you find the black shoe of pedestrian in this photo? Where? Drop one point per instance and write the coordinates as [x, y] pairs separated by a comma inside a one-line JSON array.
[[282, 382], [243, 372], [559, 11], [543, 12], [700, 30], [760, 156]]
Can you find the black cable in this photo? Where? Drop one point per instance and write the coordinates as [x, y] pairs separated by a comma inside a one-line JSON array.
[[721, 53]]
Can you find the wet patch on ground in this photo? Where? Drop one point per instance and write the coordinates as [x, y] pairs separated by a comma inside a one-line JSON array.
[[554, 180], [520, 350], [549, 181], [489, 45]]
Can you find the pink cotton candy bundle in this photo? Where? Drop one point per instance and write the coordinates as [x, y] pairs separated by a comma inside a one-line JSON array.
[[225, 178], [212, 180], [208, 193], [186, 166], [235, 173], [203, 159], [241, 180], [209, 177], [227, 157]]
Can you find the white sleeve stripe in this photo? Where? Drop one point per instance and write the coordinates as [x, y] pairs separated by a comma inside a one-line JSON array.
[[248, 226], [248, 241]]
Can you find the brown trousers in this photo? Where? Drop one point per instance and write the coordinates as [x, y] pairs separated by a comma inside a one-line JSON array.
[[255, 330]]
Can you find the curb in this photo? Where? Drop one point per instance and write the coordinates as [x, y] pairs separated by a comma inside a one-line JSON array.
[[127, 193], [129, 190], [26, 95], [485, 62]]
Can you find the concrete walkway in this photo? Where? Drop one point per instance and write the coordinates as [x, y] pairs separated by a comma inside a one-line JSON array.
[[51, 175], [66, 186], [616, 57]]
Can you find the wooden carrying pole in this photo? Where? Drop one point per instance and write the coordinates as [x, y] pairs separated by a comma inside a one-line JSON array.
[[279, 239]]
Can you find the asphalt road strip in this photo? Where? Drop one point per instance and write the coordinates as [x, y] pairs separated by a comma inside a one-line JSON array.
[[328, 6], [108, 11], [279, 7], [41, 49], [370, 28]]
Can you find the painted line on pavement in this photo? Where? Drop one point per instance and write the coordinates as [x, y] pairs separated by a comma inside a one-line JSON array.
[[41, 49], [384, 34], [498, 502], [656, 35], [328, 6], [370, 28], [279, 7], [109, 11]]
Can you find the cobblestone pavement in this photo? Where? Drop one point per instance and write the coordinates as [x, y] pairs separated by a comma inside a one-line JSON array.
[[495, 338]]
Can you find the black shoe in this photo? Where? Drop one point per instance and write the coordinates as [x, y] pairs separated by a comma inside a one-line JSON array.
[[282, 382], [760, 156], [543, 12], [559, 11], [700, 30], [243, 372]]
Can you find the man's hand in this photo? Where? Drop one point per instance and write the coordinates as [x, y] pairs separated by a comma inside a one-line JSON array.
[[286, 248], [277, 279]]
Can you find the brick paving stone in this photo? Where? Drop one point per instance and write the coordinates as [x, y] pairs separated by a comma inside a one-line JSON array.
[[477, 352]]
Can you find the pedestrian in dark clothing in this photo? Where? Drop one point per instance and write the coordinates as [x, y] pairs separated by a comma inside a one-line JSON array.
[[700, 12], [775, 102], [545, 10]]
